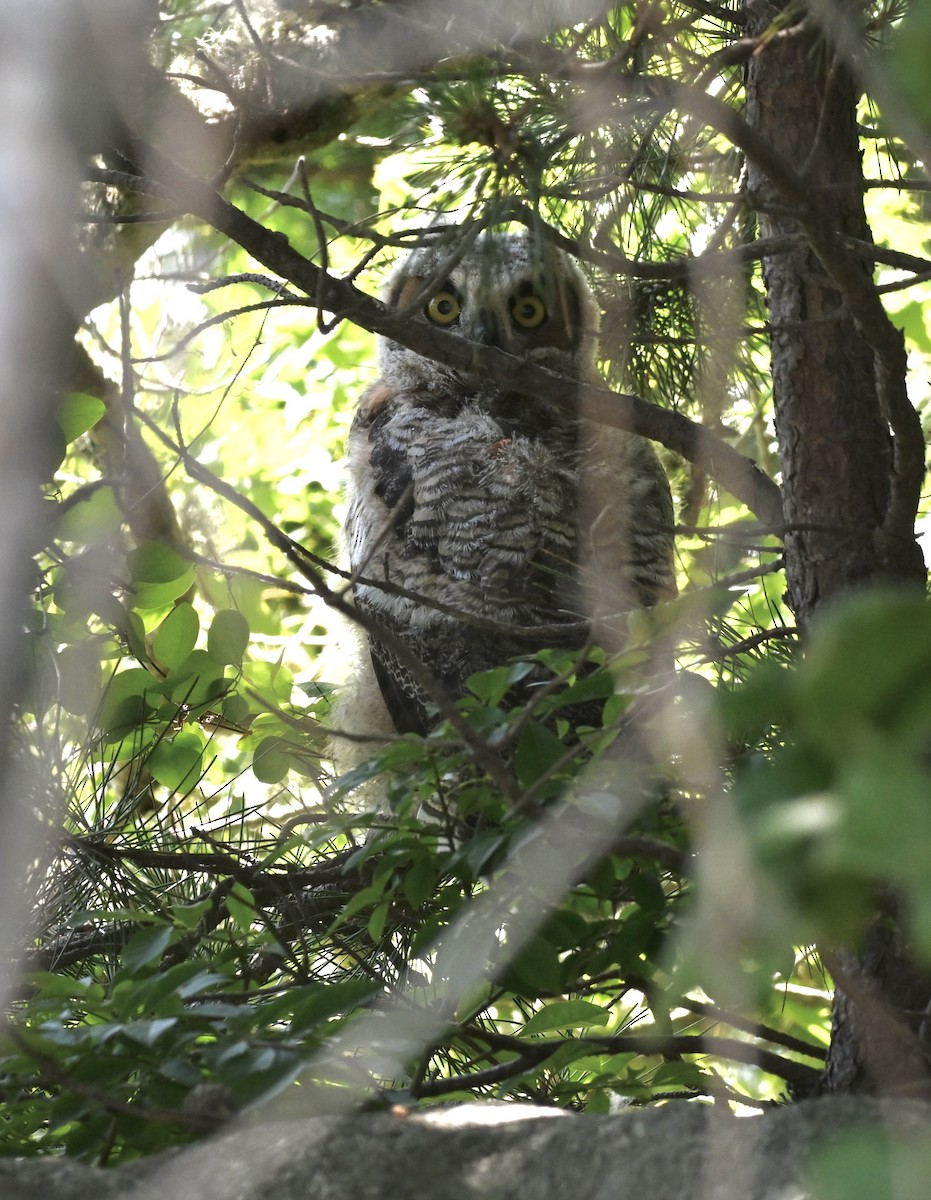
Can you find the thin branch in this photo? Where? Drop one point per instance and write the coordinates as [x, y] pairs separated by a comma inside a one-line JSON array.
[[752, 642], [531, 1054], [738, 474], [843, 266], [903, 185], [273, 285], [220, 319], [499, 1073], [634, 846], [713, 1013], [55, 1075]]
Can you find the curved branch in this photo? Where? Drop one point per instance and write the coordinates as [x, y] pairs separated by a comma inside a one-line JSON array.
[[534, 1053], [738, 474]]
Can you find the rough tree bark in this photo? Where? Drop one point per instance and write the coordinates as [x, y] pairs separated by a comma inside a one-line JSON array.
[[852, 457]]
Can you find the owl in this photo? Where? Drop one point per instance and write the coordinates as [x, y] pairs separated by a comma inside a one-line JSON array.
[[478, 515]]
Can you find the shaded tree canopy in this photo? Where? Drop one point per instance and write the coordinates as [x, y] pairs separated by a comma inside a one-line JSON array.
[[510, 906]]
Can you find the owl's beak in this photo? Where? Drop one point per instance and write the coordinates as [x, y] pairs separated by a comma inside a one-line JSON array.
[[486, 328]]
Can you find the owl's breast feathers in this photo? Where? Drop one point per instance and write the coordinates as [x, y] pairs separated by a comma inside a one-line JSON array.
[[472, 503], [467, 495]]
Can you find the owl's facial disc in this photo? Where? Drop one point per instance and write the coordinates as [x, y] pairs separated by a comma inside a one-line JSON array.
[[500, 290]]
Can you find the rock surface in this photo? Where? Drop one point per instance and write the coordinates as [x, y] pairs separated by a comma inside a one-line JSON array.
[[492, 1152]]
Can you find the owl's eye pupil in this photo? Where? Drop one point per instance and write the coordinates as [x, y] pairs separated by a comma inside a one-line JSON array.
[[443, 309], [528, 311]]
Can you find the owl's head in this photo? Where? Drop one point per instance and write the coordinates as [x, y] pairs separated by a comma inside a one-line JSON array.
[[500, 289]]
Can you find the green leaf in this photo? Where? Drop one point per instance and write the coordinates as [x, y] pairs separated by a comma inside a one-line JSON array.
[[865, 660], [886, 832], [146, 946], [473, 999], [147, 1032], [235, 709], [241, 906], [176, 637], [597, 686], [603, 876], [765, 699], [378, 920], [164, 992], [79, 682], [83, 916], [420, 880], [197, 682], [907, 60], [189, 915], [870, 1162], [360, 900], [178, 763], [228, 637], [92, 520], [574, 1050], [598, 1104], [614, 709], [538, 750], [133, 628], [130, 697], [271, 762], [159, 575], [919, 917], [537, 969], [322, 1001], [78, 412], [679, 1074], [57, 987], [481, 851], [491, 687], [567, 1014], [272, 682]]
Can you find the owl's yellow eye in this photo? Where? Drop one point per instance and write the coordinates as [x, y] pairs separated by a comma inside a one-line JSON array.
[[444, 308], [528, 311]]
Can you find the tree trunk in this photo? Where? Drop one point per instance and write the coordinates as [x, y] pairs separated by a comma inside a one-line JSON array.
[[845, 451], [836, 445]]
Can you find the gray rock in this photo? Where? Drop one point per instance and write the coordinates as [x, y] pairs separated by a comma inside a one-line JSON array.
[[492, 1152]]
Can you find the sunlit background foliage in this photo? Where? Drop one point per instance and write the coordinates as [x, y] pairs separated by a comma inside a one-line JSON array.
[[215, 906]]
